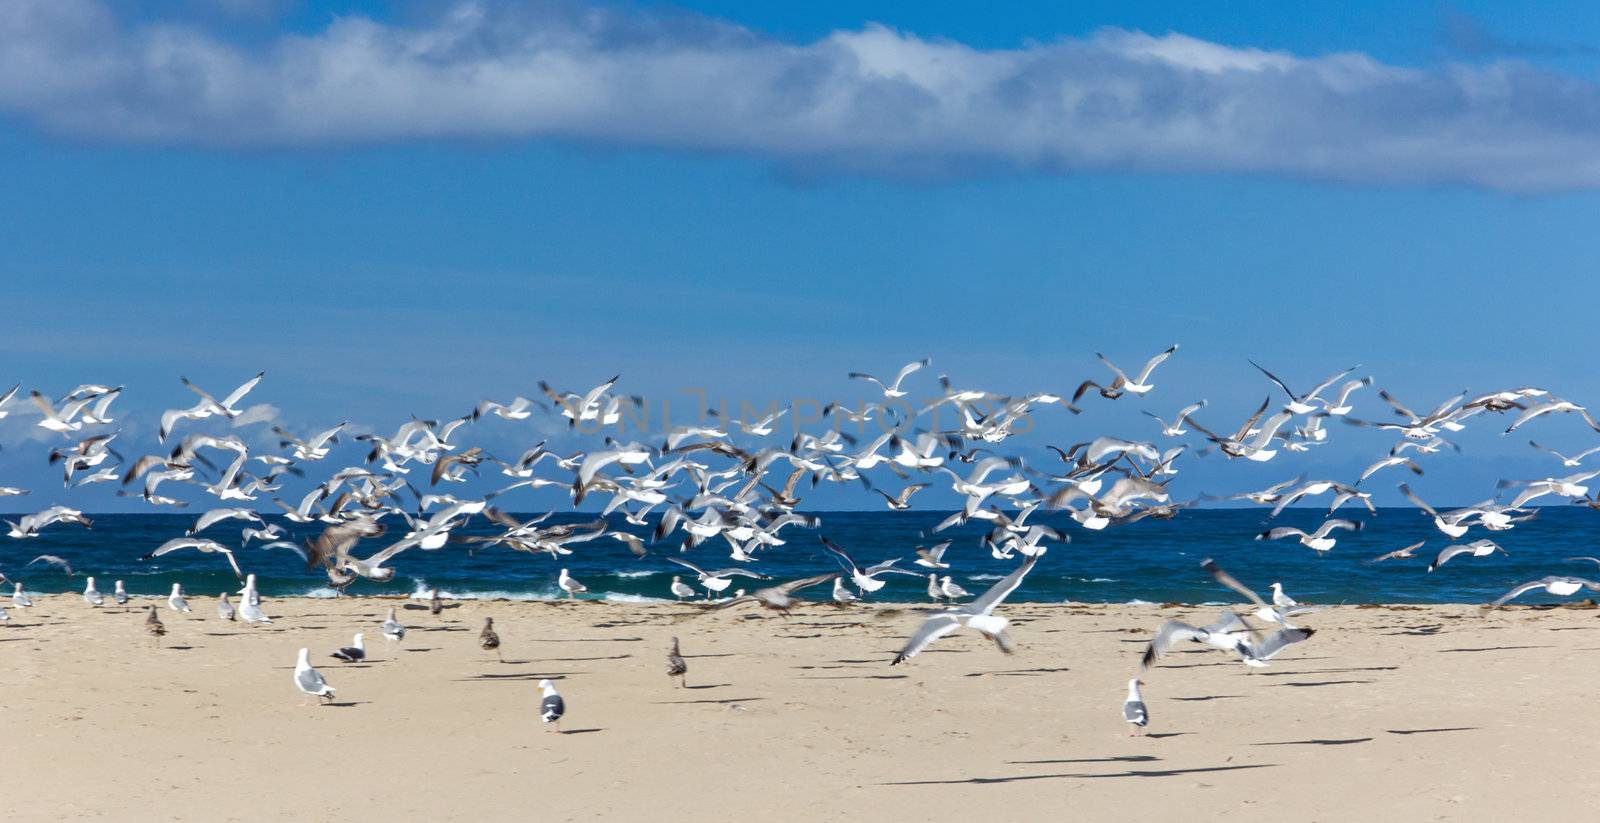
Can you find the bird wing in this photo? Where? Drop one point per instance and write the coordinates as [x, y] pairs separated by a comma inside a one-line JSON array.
[[1228, 580], [933, 627], [1169, 633], [1002, 589]]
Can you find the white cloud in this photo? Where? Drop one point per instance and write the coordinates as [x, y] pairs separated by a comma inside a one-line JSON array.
[[873, 101]]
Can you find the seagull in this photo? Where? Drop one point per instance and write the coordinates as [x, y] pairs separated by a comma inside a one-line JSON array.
[[353, 653], [572, 587], [308, 680], [717, 581], [901, 502], [866, 580], [153, 625], [215, 516], [551, 706], [29, 525], [175, 600], [932, 557], [1398, 554], [1133, 709], [1570, 462], [224, 608], [199, 544], [1303, 404], [841, 595], [489, 639], [950, 590], [52, 560], [435, 605], [19, 598], [250, 609], [1386, 462], [119, 595], [977, 615], [934, 593], [392, 629], [1553, 407], [892, 390], [1559, 586], [1225, 634], [91, 595], [1318, 540], [779, 598], [206, 407], [1123, 384], [313, 449], [1175, 428], [677, 666], [681, 589], [1281, 600], [1477, 548]]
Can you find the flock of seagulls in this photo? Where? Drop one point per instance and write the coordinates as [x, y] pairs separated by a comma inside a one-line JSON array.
[[738, 486]]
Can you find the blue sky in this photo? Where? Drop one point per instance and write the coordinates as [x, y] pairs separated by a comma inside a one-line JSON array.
[[1410, 189]]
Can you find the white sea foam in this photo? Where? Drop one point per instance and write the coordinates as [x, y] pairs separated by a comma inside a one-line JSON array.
[[637, 574]]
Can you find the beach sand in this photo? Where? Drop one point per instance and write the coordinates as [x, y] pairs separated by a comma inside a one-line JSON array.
[[1395, 713]]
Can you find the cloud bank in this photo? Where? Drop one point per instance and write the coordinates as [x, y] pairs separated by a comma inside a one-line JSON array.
[[872, 101]]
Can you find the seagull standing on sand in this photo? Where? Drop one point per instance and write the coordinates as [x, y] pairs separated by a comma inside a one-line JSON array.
[[119, 595], [224, 608], [353, 653], [489, 639], [175, 600], [250, 609], [392, 629], [92, 595], [435, 605], [950, 590], [677, 666], [19, 598], [841, 595], [1133, 709], [572, 587], [933, 588], [153, 625], [551, 706], [681, 589], [308, 680]]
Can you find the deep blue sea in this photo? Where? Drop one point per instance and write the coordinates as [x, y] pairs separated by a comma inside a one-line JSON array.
[[1150, 560]]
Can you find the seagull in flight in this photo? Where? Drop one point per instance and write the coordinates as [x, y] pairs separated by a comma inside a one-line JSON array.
[[978, 615], [893, 390], [865, 580], [1123, 384], [1318, 540], [1569, 462], [1399, 554], [1477, 548], [1559, 586], [198, 544]]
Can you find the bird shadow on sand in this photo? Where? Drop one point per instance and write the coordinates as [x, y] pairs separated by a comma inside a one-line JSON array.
[[579, 731], [856, 677], [1434, 731], [1318, 742], [1323, 682], [1494, 648], [1020, 672], [709, 686], [983, 781], [1121, 758], [346, 704], [725, 700], [575, 659], [517, 676], [180, 648], [1208, 697], [722, 654], [591, 639], [417, 651], [1329, 671], [438, 629]]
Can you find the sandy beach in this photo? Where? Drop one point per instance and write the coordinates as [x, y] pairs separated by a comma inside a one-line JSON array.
[[1390, 712]]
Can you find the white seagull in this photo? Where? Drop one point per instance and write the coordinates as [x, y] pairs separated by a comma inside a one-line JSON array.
[[977, 615], [308, 680]]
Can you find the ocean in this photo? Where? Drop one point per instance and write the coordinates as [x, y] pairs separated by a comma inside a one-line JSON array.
[[1150, 560]]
